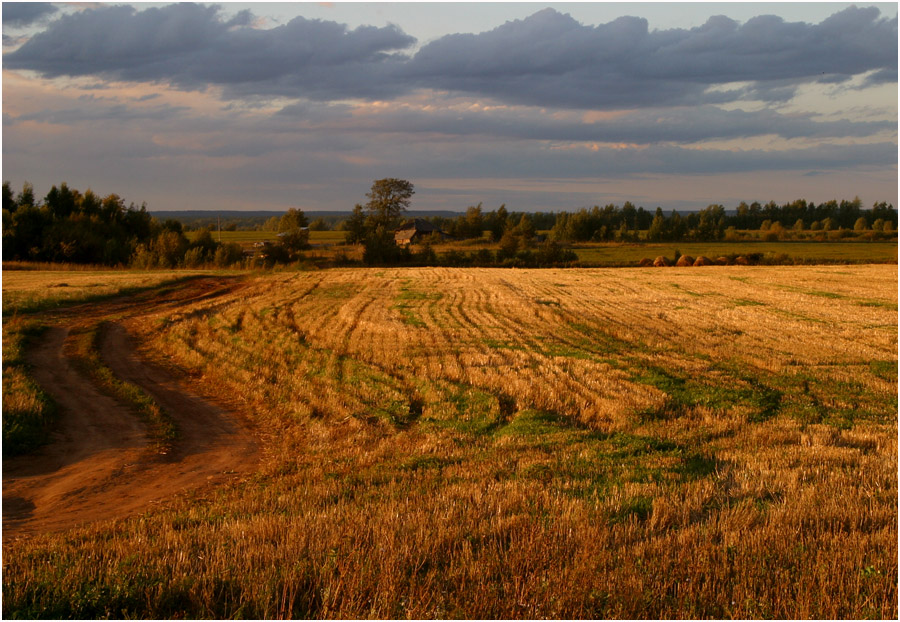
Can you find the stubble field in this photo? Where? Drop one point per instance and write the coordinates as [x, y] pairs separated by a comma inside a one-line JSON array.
[[481, 443]]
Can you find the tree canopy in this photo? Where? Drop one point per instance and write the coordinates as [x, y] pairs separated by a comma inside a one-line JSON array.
[[389, 199]]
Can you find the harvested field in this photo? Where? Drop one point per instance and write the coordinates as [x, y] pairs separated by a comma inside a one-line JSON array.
[[489, 443]]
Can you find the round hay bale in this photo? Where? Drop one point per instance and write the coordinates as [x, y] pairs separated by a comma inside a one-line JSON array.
[[741, 261], [685, 261], [661, 262], [645, 262], [703, 261], [722, 261]]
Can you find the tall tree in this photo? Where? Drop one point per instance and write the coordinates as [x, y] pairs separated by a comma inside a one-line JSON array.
[[388, 198], [293, 219]]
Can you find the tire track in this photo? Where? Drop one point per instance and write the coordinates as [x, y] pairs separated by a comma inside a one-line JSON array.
[[99, 464]]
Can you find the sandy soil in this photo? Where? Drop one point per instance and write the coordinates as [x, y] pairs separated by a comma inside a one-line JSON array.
[[99, 464]]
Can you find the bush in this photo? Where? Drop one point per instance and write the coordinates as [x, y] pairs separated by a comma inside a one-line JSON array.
[[227, 255], [143, 258], [839, 234], [483, 257], [194, 258]]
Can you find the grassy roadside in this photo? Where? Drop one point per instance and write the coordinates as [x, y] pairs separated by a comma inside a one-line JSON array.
[[28, 412]]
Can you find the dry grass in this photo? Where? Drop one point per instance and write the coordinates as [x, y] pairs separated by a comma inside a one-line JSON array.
[[489, 443], [26, 289]]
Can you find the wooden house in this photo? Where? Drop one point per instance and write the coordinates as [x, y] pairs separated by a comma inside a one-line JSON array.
[[413, 231]]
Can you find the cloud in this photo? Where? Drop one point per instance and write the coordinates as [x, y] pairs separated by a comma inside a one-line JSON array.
[[26, 13], [190, 46], [104, 114], [547, 59], [683, 125]]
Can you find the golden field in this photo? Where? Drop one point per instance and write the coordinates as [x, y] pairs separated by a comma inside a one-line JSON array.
[[494, 443], [27, 289]]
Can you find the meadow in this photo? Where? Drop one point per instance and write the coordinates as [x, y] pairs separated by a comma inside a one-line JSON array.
[[325, 245], [495, 443]]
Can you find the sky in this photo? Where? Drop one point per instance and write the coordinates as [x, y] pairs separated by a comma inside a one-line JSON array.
[[538, 106]]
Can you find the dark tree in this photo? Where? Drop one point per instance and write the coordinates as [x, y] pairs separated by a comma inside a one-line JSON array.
[[355, 226], [388, 200]]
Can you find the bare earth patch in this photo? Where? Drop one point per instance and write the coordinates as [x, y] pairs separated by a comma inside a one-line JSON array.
[[100, 465]]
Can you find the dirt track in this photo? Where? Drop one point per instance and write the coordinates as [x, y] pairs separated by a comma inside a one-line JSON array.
[[99, 464]]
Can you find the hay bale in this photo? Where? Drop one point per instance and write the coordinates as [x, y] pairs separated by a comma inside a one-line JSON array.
[[703, 261], [661, 262], [722, 261], [741, 261], [646, 262], [685, 261]]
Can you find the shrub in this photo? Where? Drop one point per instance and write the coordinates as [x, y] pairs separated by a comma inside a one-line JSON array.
[[194, 258], [227, 255]]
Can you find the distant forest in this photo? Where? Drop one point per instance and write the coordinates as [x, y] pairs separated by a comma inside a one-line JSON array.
[[84, 227], [607, 223]]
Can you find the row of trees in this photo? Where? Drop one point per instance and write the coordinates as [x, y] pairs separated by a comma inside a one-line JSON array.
[[84, 227], [614, 223], [71, 226]]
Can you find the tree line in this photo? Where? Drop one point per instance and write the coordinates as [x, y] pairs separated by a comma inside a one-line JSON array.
[[84, 227], [614, 223]]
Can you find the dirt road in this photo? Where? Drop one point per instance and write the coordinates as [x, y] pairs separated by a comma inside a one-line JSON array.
[[99, 464]]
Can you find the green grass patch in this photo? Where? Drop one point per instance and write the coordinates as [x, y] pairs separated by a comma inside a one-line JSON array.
[[411, 294], [592, 339], [822, 294], [639, 507], [745, 302], [535, 423], [839, 403], [726, 393], [886, 370], [687, 291], [795, 316], [408, 311], [881, 304], [339, 291], [425, 463], [502, 344], [408, 315]]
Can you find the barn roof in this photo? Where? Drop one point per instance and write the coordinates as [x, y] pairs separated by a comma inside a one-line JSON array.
[[417, 225]]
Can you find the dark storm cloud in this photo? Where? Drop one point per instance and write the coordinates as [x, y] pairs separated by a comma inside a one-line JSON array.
[[548, 59], [191, 47], [25, 13]]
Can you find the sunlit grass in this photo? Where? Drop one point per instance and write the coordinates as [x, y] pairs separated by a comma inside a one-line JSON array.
[[27, 290]]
